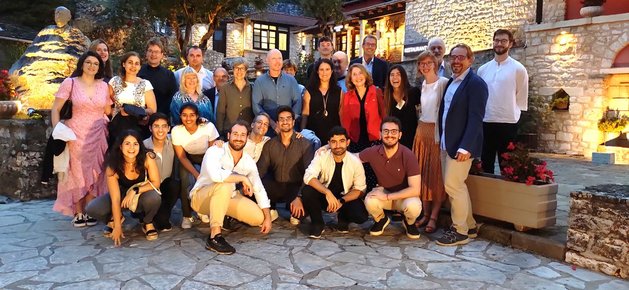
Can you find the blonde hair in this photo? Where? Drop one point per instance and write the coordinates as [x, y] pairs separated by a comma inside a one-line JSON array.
[[428, 54], [348, 80], [182, 82]]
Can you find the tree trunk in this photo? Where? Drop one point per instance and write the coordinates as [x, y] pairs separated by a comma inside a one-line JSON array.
[[206, 37]]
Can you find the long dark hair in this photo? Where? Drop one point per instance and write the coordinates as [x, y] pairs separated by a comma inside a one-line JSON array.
[[79, 66], [123, 59], [315, 81], [388, 88], [115, 158], [192, 106]]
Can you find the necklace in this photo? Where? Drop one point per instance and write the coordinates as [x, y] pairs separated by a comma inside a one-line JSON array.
[[325, 103]]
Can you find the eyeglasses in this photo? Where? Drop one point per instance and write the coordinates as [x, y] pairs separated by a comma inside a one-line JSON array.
[[262, 123], [153, 51], [390, 132], [501, 41], [426, 64], [458, 57], [92, 63], [285, 119], [240, 68], [369, 44]]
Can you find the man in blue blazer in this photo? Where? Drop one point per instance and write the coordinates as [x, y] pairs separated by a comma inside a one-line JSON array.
[[378, 68], [461, 132]]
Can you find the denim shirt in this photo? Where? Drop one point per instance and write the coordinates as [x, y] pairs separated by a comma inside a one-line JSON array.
[[267, 96]]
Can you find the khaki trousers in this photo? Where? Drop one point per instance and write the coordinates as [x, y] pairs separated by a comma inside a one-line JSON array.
[[216, 201], [454, 175], [411, 207]]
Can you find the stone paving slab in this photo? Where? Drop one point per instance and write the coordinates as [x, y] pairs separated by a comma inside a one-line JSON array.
[[41, 250]]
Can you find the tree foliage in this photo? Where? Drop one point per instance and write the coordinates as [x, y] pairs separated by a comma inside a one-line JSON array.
[[325, 11], [181, 15], [35, 14]]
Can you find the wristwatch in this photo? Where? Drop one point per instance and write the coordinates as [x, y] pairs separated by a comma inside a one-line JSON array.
[[342, 200]]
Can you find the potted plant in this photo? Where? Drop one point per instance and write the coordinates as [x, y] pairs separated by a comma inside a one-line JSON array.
[[612, 122], [8, 106], [525, 194], [592, 8]]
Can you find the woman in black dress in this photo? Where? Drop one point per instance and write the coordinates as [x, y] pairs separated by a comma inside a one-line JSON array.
[[322, 101], [402, 101]]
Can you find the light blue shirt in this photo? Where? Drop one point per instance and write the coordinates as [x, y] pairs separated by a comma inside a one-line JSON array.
[[447, 100], [215, 103], [267, 96], [369, 66], [343, 85], [442, 70]]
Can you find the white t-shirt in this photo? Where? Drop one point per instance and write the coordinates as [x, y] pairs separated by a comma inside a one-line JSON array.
[[196, 143], [127, 95]]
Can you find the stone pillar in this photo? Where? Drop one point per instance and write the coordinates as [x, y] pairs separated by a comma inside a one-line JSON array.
[[362, 36], [598, 229]]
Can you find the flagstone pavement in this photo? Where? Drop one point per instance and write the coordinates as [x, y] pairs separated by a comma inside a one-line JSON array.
[[39, 249]]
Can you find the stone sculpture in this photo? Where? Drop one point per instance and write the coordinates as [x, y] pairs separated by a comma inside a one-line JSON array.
[[50, 59]]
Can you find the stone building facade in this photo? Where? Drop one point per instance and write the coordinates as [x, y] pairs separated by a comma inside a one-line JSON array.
[[574, 55]]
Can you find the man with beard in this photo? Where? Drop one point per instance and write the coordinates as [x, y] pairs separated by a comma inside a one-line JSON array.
[[438, 48], [508, 84], [334, 180], [398, 174], [461, 133], [283, 163], [215, 192]]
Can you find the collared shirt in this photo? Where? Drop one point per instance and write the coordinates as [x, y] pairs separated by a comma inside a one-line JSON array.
[[255, 149], [447, 100], [232, 105], [508, 84], [342, 84], [218, 165], [164, 160], [206, 78], [216, 96], [286, 163], [442, 69], [369, 66], [323, 165], [392, 173], [267, 95]]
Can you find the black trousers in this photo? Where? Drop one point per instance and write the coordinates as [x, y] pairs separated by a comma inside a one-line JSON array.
[[280, 191], [496, 138], [314, 202], [170, 191]]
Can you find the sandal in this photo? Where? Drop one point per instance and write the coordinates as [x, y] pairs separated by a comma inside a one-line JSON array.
[[109, 228], [421, 222], [151, 233], [431, 228]]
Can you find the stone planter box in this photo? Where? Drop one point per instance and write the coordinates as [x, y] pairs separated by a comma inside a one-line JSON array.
[[525, 206], [598, 229]]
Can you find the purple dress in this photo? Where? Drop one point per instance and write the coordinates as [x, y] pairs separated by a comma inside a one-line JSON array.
[[87, 152]]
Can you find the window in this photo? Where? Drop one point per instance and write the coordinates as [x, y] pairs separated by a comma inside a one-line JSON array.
[[270, 36]]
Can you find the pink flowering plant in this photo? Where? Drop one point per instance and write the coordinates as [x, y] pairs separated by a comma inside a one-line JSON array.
[[518, 166]]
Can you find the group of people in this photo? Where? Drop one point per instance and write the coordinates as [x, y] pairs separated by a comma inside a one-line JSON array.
[[232, 150]]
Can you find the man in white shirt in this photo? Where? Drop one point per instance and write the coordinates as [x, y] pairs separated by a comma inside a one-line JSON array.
[[215, 192], [334, 180], [194, 57], [257, 138], [508, 84]]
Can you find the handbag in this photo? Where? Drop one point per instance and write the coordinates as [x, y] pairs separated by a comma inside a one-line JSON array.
[[66, 110], [135, 111], [136, 197]]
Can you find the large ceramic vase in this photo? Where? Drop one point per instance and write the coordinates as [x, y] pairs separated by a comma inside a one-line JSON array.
[[525, 206], [8, 109], [591, 11]]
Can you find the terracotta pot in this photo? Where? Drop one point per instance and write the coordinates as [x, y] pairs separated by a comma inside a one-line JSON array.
[[525, 206], [591, 11], [8, 109]]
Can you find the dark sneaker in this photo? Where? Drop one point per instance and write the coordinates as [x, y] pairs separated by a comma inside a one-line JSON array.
[[342, 227], [78, 221], [452, 238], [315, 231], [472, 233], [229, 224], [219, 245], [396, 216], [378, 227], [90, 221], [166, 228], [411, 230]]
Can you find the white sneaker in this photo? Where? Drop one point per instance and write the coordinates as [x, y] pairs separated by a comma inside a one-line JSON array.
[[204, 219], [187, 222], [274, 214], [294, 221]]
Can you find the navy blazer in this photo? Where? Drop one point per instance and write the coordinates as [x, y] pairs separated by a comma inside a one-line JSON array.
[[464, 121], [379, 71]]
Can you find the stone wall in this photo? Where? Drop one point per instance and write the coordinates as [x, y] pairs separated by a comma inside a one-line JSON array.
[[598, 229], [468, 21], [22, 144], [572, 55]]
